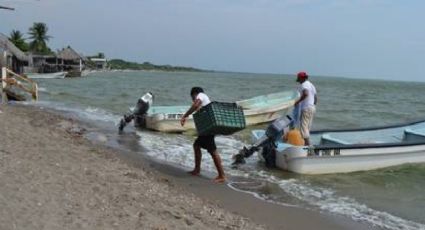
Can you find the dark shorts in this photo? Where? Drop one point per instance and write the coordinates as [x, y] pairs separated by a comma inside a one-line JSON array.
[[206, 142]]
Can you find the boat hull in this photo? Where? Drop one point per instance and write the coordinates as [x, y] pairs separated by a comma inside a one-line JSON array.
[[257, 110], [159, 123], [259, 118], [171, 125], [47, 75], [344, 151], [297, 160]]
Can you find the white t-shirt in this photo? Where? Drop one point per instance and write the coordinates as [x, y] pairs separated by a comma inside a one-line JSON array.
[[311, 92], [204, 99]]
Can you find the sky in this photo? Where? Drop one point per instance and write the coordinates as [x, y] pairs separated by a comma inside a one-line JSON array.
[[377, 39]]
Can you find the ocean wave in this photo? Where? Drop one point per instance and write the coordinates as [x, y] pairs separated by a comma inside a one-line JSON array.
[[326, 199], [94, 113], [88, 113], [177, 149], [265, 198], [42, 89]]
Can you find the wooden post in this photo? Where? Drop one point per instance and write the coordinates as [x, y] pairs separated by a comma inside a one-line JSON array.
[[3, 85], [5, 61]]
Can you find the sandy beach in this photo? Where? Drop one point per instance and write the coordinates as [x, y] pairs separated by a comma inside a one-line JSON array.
[[51, 177]]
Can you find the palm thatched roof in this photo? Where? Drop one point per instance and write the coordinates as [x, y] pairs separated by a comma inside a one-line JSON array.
[[7, 45], [69, 54]]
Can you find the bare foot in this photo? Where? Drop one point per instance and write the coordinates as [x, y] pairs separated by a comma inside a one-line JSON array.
[[194, 172], [219, 180]]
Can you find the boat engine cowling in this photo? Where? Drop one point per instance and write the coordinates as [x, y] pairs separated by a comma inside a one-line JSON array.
[[277, 128], [138, 113], [267, 144]]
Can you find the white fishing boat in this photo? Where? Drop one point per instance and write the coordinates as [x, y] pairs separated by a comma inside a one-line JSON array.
[[47, 75], [257, 110], [343, 151]]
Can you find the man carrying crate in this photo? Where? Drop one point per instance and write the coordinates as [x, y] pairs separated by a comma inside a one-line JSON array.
[[200, 99]]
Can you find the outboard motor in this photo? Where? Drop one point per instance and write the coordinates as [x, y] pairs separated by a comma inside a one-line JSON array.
[[267, 143], [138, 113]]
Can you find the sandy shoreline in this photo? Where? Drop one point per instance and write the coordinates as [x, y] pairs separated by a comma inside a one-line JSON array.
[[53, 178]]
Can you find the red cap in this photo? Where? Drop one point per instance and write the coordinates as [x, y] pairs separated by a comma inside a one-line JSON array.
[[302, 76]]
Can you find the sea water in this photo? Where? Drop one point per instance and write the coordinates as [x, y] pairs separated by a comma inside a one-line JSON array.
[[391, 198]]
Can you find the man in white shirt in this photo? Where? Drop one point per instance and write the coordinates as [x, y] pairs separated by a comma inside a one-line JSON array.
[[200, 99], [307, 103]]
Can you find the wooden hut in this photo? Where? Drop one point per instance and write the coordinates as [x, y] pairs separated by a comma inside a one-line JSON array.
[[100, 63], [11, 56], [12, 63], [71, 61], [38, 63]]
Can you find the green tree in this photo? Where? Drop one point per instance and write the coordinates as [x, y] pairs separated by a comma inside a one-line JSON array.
[[16, 37], [39, 37], [100, 55]]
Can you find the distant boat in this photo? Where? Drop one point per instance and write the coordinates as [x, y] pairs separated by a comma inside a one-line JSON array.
[[73, 73], [257, 110], [343, 151], [47, 75]]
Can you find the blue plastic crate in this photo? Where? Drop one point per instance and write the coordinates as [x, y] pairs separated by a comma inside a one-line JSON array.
[[219, 118]]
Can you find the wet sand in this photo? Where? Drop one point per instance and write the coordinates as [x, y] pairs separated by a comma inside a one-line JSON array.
[[52, 177]]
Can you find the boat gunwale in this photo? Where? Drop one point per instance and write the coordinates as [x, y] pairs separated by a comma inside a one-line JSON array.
[[290, 94], [268, 109], [248, 112], [369, 145], [366, 146], [255, 111], [363, 145], [367, 129]]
